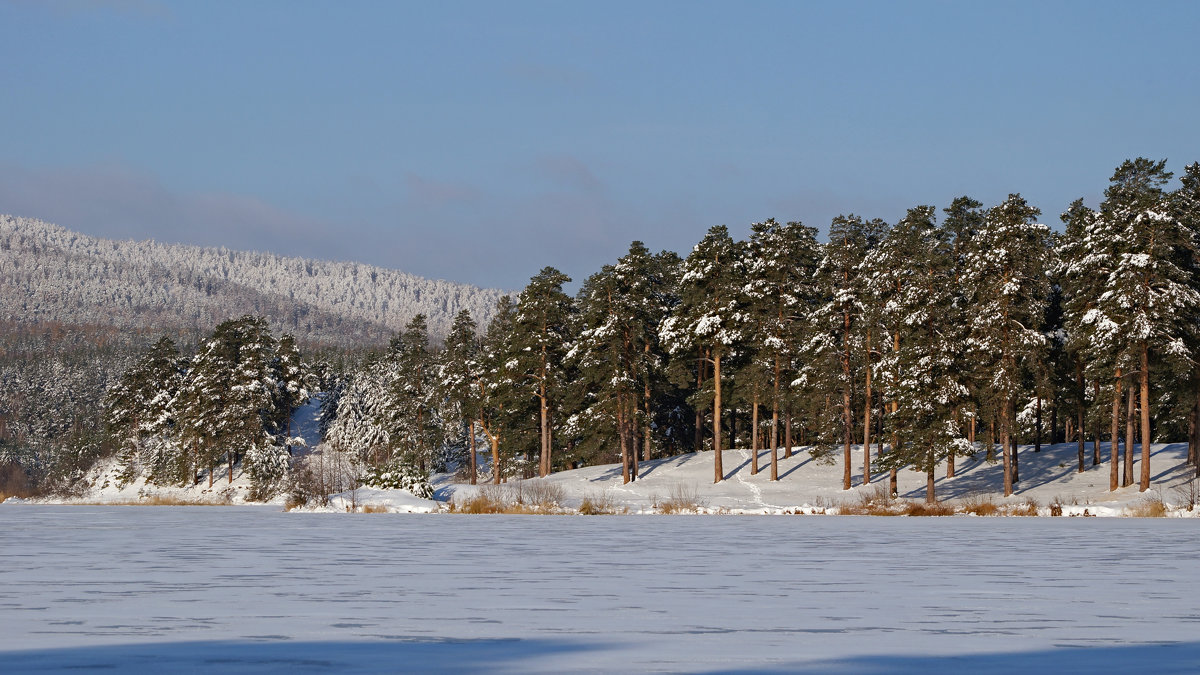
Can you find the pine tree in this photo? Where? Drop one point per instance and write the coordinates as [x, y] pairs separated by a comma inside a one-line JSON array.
[[498, 404], [779, 289], [1006, 274], [835, 347], [413, 426], [919, 372], [709, 320], [1149, 299], [540, 337], [138, 408], [458, 371]]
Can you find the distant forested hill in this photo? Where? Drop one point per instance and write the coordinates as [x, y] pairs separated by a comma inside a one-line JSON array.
[[48, 273]]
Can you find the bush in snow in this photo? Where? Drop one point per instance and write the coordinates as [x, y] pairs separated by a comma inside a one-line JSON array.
[[396, 475]]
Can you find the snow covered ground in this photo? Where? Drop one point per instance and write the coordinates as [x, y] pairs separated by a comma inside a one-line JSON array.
[[808, 485], [254, 589]]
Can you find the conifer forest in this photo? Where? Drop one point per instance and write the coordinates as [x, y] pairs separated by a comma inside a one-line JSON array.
[[962, 329]]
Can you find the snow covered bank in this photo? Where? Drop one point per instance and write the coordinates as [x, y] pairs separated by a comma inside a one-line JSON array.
[[808, 485]]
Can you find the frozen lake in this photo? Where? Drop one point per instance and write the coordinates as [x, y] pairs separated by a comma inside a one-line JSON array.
[[255, 590]]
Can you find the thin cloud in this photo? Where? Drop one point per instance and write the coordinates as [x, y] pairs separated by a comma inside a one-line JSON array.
[[569, 171], [428, 193], [116, 202]]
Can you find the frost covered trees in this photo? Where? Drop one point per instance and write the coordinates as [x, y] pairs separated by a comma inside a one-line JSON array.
[[617, 356], [541, 327], [230, 402], [458, 369], [779, 290], [1006, 276], [709, 320], [918, 373]]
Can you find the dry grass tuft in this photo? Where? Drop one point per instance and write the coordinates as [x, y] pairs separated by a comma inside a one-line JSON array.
[[1028, 508], [512, 499], [981, 505], [373, 508], [923, 509], [680, 499], [538, 494], [1150, 507], [600, 504]]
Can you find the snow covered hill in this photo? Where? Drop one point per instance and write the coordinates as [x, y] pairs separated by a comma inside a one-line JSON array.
[[48, 273], [808, 486]]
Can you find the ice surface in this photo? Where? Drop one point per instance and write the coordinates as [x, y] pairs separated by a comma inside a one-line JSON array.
[[251, 589]]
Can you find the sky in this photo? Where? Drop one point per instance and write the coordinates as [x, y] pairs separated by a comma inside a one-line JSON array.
[[482, 141]]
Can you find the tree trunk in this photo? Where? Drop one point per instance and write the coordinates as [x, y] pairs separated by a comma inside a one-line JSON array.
[[1099, 428], [1081, 443], [471, 461], [646, 427], [930, 497], [1145, 387], [775, 425], [1012, 440], [1006, 449], [623, 438], [495, 441], [700, 366], [787, 433], [718, 470], [847, 414], [230, 458], [754, 437], [950, 455], [991, 446], [544, 413], [867, 419], [1037, 424], [1127, 469], [1115, 450], [1194, 437]]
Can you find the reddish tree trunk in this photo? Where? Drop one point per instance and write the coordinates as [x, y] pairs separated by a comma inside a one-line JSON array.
[[1145, 391], [867, 419], [718, 469], [1127, 469], [1115, 450], [471, 461]]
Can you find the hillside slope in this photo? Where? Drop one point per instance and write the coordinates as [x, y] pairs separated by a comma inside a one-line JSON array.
[[49, 273], [807, 485]]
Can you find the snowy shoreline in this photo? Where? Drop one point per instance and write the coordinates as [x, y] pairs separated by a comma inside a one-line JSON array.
[[683, 485]]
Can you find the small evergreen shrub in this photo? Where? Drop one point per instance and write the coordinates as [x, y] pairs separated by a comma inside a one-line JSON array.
[[397, 475]]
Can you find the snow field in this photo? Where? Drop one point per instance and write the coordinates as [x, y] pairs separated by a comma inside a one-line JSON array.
[[252, 589]]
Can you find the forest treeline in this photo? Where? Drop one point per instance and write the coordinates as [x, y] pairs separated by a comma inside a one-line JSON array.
[[942, 335], [954, 331]]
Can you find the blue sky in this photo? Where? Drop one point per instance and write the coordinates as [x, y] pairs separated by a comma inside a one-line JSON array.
[[480, 142]]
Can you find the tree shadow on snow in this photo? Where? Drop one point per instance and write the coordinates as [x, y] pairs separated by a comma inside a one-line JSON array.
[[1180, 657], [270, 654]]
